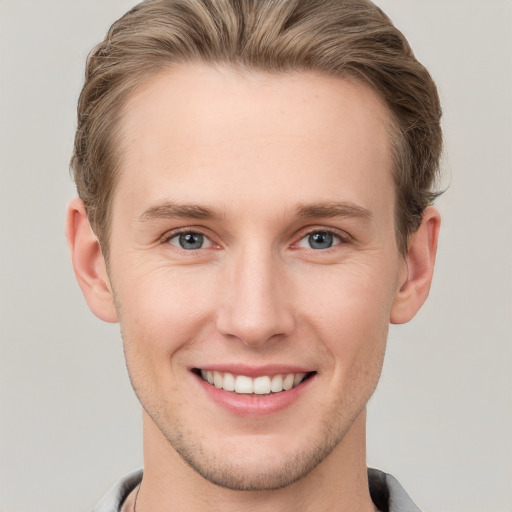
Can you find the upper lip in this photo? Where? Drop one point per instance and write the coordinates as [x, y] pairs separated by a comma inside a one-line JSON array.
[[254, 371]]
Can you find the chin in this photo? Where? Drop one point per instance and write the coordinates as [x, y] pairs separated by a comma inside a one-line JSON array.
[[256, 474], [253, 466]]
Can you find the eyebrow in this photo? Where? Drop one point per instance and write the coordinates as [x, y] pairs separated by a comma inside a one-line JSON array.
[[332, 209], [169, 209]]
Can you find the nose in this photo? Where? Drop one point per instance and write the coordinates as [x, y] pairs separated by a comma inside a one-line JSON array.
[[256, 302]]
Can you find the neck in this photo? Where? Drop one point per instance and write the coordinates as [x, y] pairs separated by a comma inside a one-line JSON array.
[[339, 482]]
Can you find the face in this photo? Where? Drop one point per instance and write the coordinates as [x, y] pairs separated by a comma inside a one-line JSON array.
[[253, 246]]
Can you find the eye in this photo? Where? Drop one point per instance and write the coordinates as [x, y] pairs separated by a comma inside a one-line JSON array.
[[319, 240], [190, 241]]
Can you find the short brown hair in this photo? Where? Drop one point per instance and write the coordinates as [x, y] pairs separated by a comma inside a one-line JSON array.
[[344, 38]]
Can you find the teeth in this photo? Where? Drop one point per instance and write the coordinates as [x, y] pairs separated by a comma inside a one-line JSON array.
[[299, 377], [277, 383], [288, 381], [217, 379], [229, 382], [262, 385], [243, 384]]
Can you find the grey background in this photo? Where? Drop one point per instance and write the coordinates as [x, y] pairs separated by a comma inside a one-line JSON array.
[[441, 420]]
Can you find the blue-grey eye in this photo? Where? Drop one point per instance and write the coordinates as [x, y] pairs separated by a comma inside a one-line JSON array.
[[319, 240], [191, 241]]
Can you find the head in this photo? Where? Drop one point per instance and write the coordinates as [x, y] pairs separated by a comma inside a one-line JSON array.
[[258, 176], [351, 39]]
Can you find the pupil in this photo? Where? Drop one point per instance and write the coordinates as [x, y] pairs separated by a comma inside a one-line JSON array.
[[191, 241], [321, 240]]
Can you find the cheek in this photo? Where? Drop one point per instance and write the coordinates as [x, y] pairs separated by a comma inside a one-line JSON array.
[[349, 311], [163, 315], [161, 310], [358, 296]]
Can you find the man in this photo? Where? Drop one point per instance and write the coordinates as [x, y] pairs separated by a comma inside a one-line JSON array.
[[255, 181]]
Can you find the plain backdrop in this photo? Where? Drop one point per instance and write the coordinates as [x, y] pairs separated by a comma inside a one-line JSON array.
[[441, 419]]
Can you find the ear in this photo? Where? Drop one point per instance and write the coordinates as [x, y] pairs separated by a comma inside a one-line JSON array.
[[419, 268], [89, 263]]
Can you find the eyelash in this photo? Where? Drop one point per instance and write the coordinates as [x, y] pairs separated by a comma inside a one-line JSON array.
[[342, 236]]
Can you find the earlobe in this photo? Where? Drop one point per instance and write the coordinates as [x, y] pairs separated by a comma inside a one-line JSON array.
[[419, 268], [89, 263]]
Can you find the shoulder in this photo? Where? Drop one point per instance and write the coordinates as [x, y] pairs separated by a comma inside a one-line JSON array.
[[114, 499], [385, 490], [388, 494]]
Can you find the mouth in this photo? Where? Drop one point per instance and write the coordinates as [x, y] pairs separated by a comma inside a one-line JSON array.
[[258, 385]]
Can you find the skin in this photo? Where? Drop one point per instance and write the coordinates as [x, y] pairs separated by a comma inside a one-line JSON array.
[[271, 159]]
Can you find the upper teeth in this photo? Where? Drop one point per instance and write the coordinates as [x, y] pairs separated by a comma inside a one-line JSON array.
[[246, 385]]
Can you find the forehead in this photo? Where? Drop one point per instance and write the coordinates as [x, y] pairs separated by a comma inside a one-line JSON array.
[[231, 134]]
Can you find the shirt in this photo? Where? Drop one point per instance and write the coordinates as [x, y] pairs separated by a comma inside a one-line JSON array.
[[386, 492]]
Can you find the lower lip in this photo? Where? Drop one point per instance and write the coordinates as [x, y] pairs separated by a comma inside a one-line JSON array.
[[255, 405]]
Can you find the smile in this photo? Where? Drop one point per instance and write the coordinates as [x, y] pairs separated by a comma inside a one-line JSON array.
[[261, 385]]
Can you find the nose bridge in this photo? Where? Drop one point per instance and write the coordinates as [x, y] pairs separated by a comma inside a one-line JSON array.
[[256, 306]]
